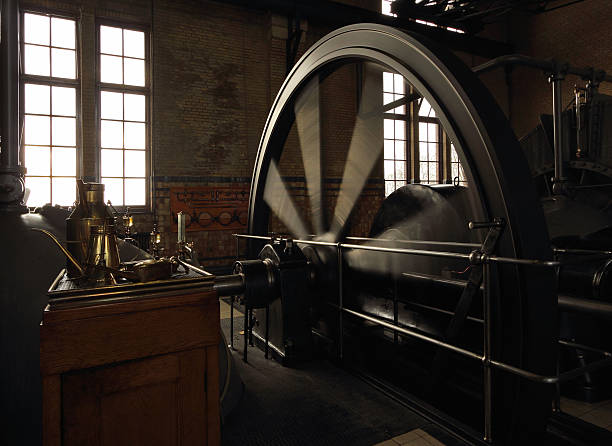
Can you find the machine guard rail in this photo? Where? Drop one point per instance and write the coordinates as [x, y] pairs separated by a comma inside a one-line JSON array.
[[475, 257]]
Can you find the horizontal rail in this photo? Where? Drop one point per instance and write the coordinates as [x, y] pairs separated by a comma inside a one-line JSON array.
[[417, 242], [543, 379], [419, 252], [549, 66]]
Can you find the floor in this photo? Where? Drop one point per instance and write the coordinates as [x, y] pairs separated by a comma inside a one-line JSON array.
[[334, 407], [338, 400], [599, 414]]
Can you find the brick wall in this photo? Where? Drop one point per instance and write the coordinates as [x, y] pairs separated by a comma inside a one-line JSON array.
[[579, 34], [216, 69]]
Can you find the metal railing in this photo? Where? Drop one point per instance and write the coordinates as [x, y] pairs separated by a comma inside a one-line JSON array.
[[475, 257]]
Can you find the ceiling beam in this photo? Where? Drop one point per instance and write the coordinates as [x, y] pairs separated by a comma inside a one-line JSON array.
[[338, 14]]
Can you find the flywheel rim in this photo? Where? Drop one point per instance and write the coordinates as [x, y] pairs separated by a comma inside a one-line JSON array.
[[501, 175]]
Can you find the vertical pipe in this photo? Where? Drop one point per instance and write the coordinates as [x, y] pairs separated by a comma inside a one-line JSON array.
[[395, 311], [251, 323], [232, 323], [486, 302], [9, 157], [340, 308], [181, 227], [267, 330], [556, 80], [246, 332]]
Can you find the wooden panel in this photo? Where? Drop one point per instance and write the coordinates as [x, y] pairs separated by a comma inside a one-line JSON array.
[[150, 301], [212, 394], [193, 397], [127, 404], [96, 341], [52, 410], [145, 415]]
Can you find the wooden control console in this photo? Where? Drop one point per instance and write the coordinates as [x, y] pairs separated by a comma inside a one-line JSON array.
[[132, 365]]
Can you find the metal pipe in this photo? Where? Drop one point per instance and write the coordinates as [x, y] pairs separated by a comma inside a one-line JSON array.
[[194, 268], [418, 242], [588, 306], [412, 333], [9, 93], [544, 65], [64, 250], [488, 378], [556, 79], [422, 252], [229, 285]]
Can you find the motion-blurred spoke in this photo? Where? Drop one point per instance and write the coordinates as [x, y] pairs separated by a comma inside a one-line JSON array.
[[307, 118], [278, 199], [364, 150]]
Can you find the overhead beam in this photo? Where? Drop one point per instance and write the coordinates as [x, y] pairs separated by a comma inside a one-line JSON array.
[[338, 14]]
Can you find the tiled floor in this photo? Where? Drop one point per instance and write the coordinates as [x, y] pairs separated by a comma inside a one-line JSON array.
[[416, 437], [599, 414]]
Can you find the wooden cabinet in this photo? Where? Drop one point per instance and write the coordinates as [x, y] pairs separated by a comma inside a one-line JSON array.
[[136, 369]]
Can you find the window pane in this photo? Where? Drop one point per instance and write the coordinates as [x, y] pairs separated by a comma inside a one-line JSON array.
[[433, 172], [433, 151], [37, 130], [111, 40], [64, 101], [400, 170], [36, 29], [389, 151], [40, 191], [63, 63], [454, 171], [389, 187], [454, 157], [400, 150], [37, 160], [423, 151], [432, 132], [64, 131], [134, 135], [64, 191], [113, 190], [36, 60], [388, 82], [112, 163], [62, 33], [135, 191], [64, 162], [135, 163], [135, 107], [423, 172], [400, 130], [111, 105], [111, 134], [425, 108], [402, 108], [110, 69], [37, 99], [389, 170], [388, 131], [133, 44], [398, 82], [387, 98], [422, 131], [134, 73]]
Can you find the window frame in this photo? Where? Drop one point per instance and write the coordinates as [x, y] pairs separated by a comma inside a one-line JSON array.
[[52, 82], [145, 90], [405, 118]]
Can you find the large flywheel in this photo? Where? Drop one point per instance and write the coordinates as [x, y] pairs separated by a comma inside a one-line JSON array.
[[320, 174]]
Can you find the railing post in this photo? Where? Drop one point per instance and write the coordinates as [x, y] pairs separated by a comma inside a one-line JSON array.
[[486, 309]]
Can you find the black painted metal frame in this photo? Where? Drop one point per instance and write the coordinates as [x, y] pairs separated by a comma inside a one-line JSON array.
[[525, 302]]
